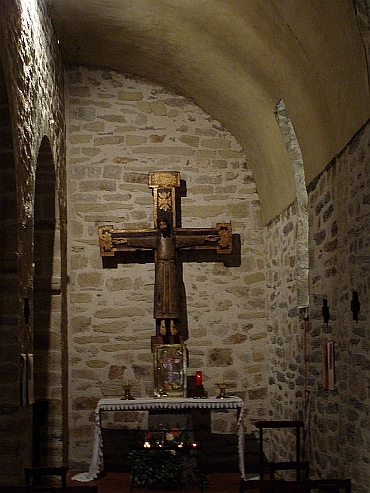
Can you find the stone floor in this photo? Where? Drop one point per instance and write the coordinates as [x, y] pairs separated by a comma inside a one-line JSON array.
[[112, 482]]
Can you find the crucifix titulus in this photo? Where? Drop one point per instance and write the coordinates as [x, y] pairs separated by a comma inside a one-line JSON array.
[[165, 239]]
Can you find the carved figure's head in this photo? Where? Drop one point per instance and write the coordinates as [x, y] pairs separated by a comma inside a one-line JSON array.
[[164, 227]]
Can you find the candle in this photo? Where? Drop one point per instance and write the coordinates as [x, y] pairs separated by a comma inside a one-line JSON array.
[[198, 379], [223, 380]]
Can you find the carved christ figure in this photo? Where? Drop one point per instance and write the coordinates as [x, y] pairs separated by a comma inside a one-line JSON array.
[[166, 240], [167, 283]]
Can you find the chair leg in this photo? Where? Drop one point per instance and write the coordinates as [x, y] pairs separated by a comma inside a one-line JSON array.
[[261, 454]]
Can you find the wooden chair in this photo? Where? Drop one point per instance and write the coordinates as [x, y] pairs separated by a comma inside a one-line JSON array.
[[329, 485], [34, 475], [272, 486], [298, 465]]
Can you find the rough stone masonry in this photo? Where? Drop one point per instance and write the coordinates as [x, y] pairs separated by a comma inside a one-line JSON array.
[[120, 128]]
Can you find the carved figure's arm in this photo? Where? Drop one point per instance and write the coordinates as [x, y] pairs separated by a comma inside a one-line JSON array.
[[112, 240], [218, 238]]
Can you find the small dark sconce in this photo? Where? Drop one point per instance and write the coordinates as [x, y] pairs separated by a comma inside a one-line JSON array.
[[355, 305], [325, 311], [26, 311]]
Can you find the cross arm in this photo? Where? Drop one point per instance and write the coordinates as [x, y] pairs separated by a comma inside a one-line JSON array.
[[117, 240], [218, 238]]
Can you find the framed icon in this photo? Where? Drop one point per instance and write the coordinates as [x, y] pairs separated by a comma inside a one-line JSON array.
[[169, 370]]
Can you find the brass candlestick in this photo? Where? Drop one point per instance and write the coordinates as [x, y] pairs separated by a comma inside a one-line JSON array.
[[222, 386], [127, 397]]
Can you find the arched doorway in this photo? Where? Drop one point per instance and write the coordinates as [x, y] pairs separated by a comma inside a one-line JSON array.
[[47, 416]]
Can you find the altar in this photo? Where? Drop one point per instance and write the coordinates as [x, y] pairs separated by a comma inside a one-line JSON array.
[[170, 405]]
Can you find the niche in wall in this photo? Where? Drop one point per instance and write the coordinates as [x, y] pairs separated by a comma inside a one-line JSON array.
[[47, 421]]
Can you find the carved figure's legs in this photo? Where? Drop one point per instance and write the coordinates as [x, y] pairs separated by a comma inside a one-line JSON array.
[[162, 327], [166, 332], [173, 327], [166, 327]]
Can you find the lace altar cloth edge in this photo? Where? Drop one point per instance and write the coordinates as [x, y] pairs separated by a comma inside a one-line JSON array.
[[142, 404]]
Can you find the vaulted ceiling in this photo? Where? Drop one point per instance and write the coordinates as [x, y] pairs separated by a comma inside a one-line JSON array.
[[236, 59]]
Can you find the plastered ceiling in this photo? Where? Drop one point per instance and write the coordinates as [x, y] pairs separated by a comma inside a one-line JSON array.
[[236, 59]]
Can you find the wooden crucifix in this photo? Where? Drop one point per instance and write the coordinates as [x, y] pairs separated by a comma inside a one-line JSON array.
[[165, 239]]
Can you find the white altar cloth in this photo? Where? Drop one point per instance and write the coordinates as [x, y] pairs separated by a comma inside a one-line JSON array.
[[148, 404]]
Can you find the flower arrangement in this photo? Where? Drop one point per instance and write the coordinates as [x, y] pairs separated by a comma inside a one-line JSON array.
[[169, 438], [167, 460]]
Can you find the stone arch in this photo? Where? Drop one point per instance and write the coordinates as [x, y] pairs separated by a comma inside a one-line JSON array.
[[295, 156], [287, 286], [47, 417]]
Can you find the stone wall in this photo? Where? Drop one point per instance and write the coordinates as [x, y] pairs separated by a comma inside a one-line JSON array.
[[339, 265], [337, 438], [285, 332], [32, 97], [119, 129]]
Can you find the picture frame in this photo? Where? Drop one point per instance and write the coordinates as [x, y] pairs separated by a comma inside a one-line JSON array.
[[169, 370]]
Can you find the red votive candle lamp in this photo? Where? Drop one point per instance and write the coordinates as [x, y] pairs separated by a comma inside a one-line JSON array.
[[198, 378]]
